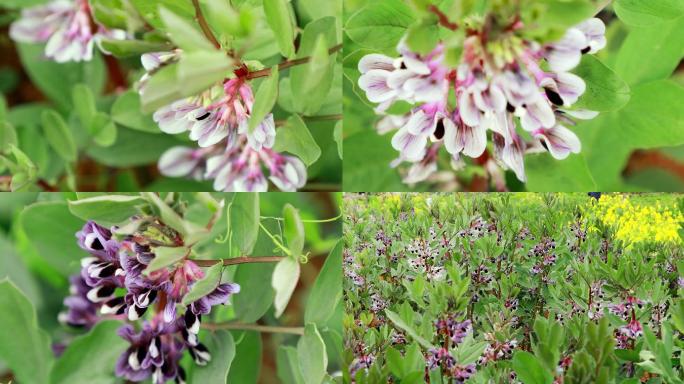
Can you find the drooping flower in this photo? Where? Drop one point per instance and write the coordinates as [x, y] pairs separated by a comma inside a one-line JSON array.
[[112, 282], [66, 26], [231, 154], [498, 84]]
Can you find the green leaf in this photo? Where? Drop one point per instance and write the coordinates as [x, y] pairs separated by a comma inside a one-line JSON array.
[[228, 21], [171, 217], [544, 173], [367, 163], [650, 53], [326, 293], [243, 214], [648, 12], [109, 13], [24, 347], [265, 99], [184, 34], [133, 148], [84, 103], [293, 230], [401, 324], [605, 90], [88, 359], [200, 70], [166, 256], [103, 130], [54, 78], [59, 135], [284, 281], [161, 89], [529, 369], [20, 3], [296, 139], [288, 365], [8, 136], [203, 287], [51, 228], [127, 112], [106, 210], [553, 17], [423, 37], [339, 139], [222, 348], [313, 358], [150, 9], [380, 24], [651, 119], [279, 19], [253, 301], [311, 83], [395, 362], [247, 361], [127, 48]]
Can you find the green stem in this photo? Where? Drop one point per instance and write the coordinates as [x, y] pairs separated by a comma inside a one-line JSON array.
[[255, 327], [306, 221], [275, 241]]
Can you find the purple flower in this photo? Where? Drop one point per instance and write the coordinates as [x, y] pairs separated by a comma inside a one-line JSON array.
[[81, 312], [633, 329], [115, 265], [66, 26], [182, 161]]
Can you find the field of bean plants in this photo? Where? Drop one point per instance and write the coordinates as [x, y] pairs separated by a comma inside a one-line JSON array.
[[514, 288]]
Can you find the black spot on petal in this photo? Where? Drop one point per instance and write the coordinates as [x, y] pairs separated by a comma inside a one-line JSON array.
[[439, 130], [553, 96], [204, 116], [105, 291], [97, 245], [586, 50]]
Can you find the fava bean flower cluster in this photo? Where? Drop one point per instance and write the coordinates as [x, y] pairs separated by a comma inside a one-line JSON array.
[[503, 80], [113, 283], [229, 153], [66, 26]]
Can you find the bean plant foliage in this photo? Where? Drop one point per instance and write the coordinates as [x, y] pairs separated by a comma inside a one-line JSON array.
[[516, 288], [212, 94], [173, 287], [511, 94]]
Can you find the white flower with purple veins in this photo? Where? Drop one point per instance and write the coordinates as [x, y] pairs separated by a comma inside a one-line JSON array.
[[230, 154], [411, 77], [66, 27], [496, 91]]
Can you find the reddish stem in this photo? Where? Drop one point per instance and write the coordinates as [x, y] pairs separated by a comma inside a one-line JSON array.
[[289, 63], [240, 260], [443, 19]]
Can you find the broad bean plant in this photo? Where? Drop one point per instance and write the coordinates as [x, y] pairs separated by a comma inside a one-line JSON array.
[[171, 288], [513, 288], [211, 94]]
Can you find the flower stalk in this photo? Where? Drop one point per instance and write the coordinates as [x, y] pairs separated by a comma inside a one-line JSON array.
[[204, 25], [289, 63], [239, 260]]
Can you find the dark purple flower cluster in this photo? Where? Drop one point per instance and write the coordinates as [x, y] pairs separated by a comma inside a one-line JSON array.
[[112, 281], [453, 329], [440, 357]]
